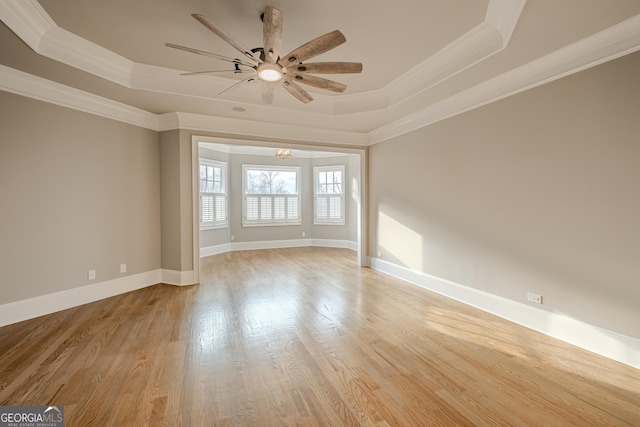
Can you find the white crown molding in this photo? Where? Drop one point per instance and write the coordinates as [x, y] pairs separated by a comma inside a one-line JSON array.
[[168, 121], [79, 53], [31, 86], [472, 47], [253, 150], [27, 19], [504, 15], [612, 345], [261, 130], [611, 43], [228, 146], [361, 102]]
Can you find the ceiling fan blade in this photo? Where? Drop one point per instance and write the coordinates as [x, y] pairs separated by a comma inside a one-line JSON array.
[[318, 82], [237, 85], [211, 55], [297, 91], [220, 32], [268, 93], [272, 32], [327, 68], [204, 73], [313, 48]]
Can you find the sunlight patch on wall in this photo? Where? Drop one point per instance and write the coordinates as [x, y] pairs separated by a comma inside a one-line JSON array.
[[355, 190], [399, 242]]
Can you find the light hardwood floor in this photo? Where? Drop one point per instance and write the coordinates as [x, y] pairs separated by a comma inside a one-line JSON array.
[[304, 337]]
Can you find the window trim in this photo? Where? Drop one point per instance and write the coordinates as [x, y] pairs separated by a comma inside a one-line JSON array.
[[225, 179], [271, 222], [316, 195]]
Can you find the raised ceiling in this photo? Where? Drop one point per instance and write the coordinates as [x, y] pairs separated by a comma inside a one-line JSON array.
[[423, 60]]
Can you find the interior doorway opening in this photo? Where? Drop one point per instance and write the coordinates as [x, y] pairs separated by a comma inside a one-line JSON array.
[[234, 235]]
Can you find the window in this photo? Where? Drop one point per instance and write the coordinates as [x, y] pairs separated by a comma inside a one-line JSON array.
[[328, 190], [213, 197], [271, 195]]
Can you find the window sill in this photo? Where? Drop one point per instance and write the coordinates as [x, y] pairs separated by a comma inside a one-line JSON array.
[[270, 224]]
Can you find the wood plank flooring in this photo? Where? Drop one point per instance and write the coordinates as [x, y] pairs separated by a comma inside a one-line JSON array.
[[304, 337]]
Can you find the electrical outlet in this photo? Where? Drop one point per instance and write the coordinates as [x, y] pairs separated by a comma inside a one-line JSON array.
[[534, 298], [379, 254], [92, 275], [304, 234], [233, 237], [123, 268]]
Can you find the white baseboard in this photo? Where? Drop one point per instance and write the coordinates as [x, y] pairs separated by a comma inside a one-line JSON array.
[[275, 244], [30, 308], [177, 278], [215, 250], [615, 346]]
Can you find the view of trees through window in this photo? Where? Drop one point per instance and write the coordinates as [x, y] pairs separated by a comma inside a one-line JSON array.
[[260, 181], [330, 181]]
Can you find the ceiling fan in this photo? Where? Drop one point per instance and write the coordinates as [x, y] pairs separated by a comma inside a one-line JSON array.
[[265, 64]]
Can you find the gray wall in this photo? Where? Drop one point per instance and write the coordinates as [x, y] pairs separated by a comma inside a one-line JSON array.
[[77, 192], [176, 199], [170, 200], [538, 192]]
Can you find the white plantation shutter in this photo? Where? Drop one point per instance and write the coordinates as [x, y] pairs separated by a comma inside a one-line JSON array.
[[322, 207], [206, 209], [279, 208], [221, 208], [293, 204], [335, 208], [251, 207], [329, 195], [265, 208], [213, 198]]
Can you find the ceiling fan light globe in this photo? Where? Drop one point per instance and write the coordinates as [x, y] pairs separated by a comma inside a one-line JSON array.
[[269, 72]]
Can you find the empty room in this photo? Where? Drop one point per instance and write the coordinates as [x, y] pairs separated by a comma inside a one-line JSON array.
[[283, 213]]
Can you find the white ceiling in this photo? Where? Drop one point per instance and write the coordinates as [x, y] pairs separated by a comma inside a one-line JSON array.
[[423, 60]]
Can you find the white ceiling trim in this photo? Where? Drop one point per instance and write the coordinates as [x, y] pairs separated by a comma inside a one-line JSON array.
[[250, 129], [31, 23], [611, 43], [232, 147], [34, 87], [28, 20], [472, 47], [504, 15], [68, 48]]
